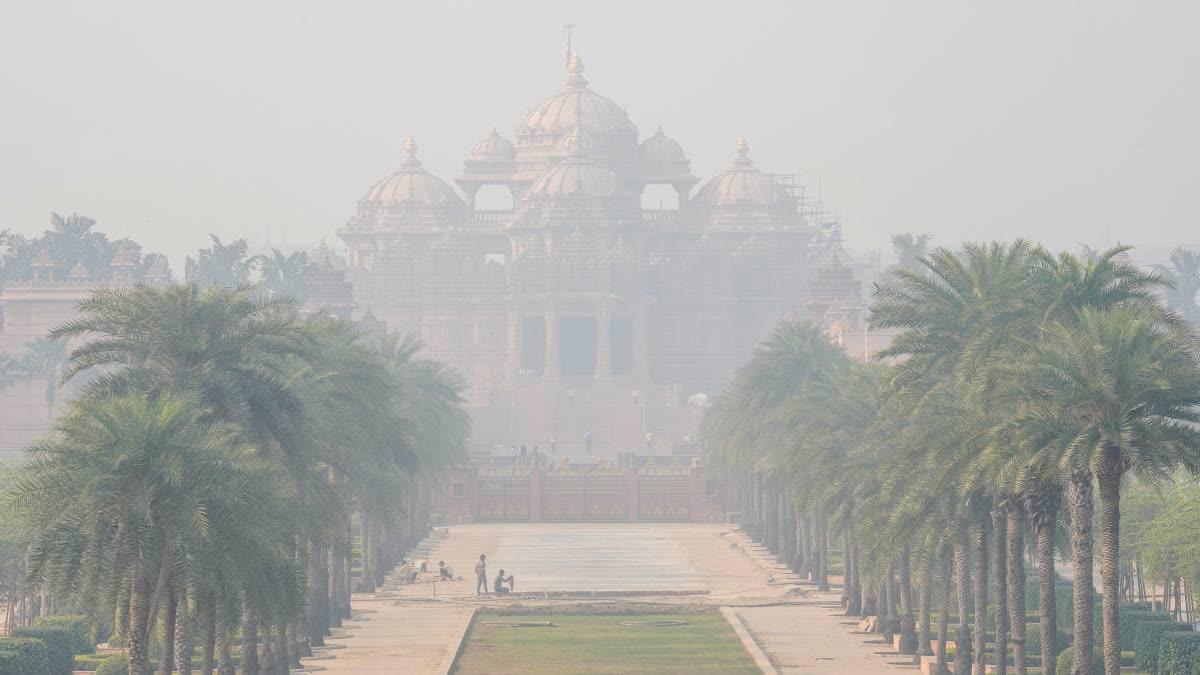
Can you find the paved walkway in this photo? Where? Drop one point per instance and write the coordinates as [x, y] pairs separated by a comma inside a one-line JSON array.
[[417, 628]]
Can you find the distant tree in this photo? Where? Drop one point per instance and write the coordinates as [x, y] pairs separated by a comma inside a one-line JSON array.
[[71, 241], [221, 265], [285, 275], [10, 370], [1184, 275], [909, 249], [46, 358]]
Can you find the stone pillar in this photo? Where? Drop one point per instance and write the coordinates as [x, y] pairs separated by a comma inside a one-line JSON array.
[[535, 496], [512, 361], [682, 191], [641, 342], [553, 361], [603, 343], [469, 197], [631, 488]]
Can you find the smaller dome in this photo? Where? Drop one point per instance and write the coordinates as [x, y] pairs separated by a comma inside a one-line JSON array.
[[576, 176], [741, 184], [411, 192], [493, 148], [661, 148]]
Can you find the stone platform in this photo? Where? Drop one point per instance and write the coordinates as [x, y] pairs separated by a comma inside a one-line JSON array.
[[417, 628]]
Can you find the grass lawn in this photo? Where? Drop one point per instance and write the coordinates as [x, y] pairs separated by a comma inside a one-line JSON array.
[[600, 644]]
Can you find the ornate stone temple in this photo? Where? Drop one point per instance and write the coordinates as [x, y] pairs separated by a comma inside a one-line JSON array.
[[578, 313]]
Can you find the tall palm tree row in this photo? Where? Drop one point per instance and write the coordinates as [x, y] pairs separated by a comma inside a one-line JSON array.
[[1018, 383], [202, 493]]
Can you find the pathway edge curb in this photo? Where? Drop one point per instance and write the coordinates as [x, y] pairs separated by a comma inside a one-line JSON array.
[[455, 648], [748, 642]]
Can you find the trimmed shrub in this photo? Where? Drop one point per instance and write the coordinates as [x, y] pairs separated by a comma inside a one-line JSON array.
[[1033, 639], [1146, 640], [76, 624], [60, 644], [117, 664], [23, 656], [1178, 653], [1062, 666]]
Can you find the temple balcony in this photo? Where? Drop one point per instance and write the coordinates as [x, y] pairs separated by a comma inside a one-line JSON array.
[[500, 216], [660, 215]]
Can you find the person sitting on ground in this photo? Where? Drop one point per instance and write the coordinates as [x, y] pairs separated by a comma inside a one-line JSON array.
[[500, 587], [445, 572], [408, 574]]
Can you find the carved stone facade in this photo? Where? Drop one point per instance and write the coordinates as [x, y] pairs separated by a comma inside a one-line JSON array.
[[578, 310]]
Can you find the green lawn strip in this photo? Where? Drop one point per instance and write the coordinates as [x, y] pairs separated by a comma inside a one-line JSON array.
[[599, 644]]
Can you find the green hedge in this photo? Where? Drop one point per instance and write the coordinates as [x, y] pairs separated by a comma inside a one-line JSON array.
[[1179, 654], [1130, 618], [117, 664], [60, 646], [1065, 660], [77, 625], [1147, 638], [23, 656]]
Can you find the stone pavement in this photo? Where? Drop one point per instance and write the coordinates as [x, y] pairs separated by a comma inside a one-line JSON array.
[[416, 628]]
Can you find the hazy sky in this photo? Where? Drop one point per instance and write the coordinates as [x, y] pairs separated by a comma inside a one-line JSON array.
[[1061, 121]]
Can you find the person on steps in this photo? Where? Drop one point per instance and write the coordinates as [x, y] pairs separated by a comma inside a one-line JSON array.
[[481, 574]]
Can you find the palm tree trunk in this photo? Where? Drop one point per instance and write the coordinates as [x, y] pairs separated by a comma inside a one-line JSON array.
[[822, 554], [908, 627], [224, 650], [962, 586], [924, 608], [1045, 525], [208, 619], [281, 647], [171, 609], [847, 587], [337, 570], [1000, 592], [1079, 502], [183, 630], [1016, 583], [249, 635], [139, 614], [319, 602], [1110, 559], [980, 558], [366, 578], [944, 565]]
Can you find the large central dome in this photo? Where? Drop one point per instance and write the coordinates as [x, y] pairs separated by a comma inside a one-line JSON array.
[[575, 107]]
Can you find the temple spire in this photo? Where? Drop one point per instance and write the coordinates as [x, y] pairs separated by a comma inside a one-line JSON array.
[[569, 29]]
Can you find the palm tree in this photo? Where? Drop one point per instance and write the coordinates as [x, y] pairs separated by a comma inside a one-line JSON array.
[[1121, 392], [224, 265], [1184, 275], [45, 358], [10, 370], [285, 275], [122, 478], [910, 249]]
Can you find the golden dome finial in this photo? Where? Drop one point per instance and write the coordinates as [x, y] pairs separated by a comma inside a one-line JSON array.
[[575, 65], [410, 147], [742, 146]]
